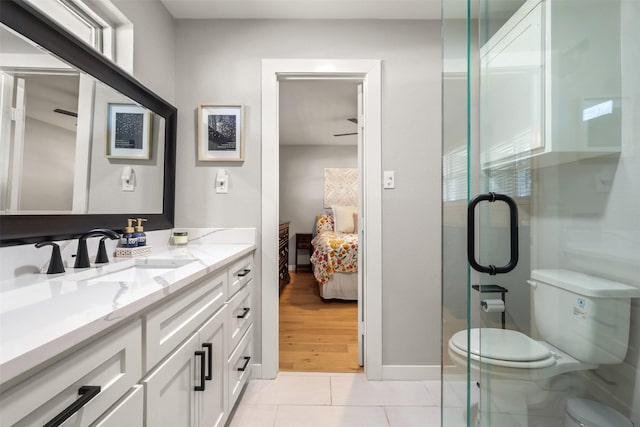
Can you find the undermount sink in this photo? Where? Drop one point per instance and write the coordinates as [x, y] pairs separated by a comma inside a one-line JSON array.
[[130, 271]]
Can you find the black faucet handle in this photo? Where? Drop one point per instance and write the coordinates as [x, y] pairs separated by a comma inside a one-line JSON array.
[[102, 257], [55, 263]]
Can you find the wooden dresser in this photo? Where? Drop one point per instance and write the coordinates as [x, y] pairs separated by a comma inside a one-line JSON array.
[[283, 270]]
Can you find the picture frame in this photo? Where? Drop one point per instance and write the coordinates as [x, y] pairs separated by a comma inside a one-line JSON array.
[[128, 132], [220, 133]]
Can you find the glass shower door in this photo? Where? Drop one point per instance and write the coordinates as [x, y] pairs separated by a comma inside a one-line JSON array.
[[549, 107]]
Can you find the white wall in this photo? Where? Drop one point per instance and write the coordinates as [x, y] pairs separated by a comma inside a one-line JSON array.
[[220, 62], [302, 184]]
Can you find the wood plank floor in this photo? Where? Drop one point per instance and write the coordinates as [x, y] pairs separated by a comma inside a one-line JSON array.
[[316, 336]]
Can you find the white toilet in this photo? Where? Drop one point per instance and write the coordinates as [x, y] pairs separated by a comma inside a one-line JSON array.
[[587, 413], [583, 319]]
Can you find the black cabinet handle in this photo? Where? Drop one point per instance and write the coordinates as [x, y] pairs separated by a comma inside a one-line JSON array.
[[471, 244], [201, 386], [244, 272], [244, 314], [209, 346], [246, 363], [86, 392]]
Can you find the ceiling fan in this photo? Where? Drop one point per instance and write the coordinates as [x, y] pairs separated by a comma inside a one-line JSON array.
[[352, 120]]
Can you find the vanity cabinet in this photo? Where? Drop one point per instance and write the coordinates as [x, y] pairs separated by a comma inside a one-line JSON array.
[[182, 361], [190, 387], [550, 87]]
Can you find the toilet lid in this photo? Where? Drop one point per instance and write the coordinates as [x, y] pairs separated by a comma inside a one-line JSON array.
[[501, 344], [591, 413]]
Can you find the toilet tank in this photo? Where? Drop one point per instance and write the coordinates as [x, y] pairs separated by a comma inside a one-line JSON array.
[[583, 315]]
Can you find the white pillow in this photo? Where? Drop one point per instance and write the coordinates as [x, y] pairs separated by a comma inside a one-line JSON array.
[[343, 218]]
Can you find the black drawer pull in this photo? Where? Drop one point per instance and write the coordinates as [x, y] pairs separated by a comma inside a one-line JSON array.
[[86, 392], [246, 363], [209, 346], [244, 314], [244, 272], [202, 385]]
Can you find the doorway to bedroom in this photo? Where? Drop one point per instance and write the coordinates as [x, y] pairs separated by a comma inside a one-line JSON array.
[[318, 210]]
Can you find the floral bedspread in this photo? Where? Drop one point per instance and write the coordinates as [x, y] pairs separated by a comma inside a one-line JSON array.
[[334, 252]]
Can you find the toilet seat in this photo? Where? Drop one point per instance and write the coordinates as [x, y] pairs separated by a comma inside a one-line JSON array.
[[503, 347]]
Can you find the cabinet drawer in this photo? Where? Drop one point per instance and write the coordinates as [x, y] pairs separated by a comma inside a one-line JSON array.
[[239, 274], [240, 315], [171, 323], [112, 362], [128, 412], [240, 366]]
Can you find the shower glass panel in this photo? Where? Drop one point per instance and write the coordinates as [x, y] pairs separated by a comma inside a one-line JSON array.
[[456, 391], [541, 103]]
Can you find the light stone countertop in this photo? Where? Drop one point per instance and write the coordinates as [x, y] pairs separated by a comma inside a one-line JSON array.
[[41, 315]]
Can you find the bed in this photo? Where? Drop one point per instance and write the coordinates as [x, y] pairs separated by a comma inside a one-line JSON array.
[[335, 255]]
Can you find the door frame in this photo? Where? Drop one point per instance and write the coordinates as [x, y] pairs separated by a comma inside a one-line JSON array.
[[369, 71]]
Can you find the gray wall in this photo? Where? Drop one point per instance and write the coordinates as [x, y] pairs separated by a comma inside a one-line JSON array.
[[47, 174], [153, 45], [220, 62], [105, 185], [302, 184]]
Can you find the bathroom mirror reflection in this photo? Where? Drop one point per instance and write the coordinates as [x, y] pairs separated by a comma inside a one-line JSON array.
[[55, 131], [107, 189]]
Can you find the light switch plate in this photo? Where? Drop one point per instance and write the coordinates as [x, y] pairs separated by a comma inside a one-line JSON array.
[[389, 179]]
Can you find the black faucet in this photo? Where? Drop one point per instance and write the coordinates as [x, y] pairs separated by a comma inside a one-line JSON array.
[[55, 263], [82, 256]]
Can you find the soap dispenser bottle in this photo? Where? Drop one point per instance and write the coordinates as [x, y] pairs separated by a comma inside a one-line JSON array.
[[128, 240], [139, 234]]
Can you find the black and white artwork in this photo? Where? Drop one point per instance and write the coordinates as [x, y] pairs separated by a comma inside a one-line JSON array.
[[220, 133], [128, 132]]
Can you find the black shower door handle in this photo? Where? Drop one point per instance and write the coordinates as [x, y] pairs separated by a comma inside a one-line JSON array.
[[471, 233]]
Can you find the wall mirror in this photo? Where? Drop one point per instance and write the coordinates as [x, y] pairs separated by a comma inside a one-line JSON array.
[[82, 144]]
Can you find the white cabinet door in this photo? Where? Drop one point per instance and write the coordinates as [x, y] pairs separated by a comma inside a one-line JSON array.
[[170, 397], [512, 90], [212, 405]]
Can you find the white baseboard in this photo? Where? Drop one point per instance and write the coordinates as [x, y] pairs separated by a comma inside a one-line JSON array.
[[411, 372], [256, 371], [389, 372]]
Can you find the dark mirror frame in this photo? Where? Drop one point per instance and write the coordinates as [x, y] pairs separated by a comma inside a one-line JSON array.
[[27, 229]]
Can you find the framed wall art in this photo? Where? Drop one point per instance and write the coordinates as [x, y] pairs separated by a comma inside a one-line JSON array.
[[220, 133], [128, 132]]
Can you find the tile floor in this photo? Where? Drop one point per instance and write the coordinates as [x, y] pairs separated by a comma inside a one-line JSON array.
[[298, 399]]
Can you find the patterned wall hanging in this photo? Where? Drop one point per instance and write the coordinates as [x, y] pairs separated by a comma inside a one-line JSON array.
[[340, 187]]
